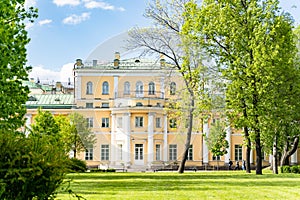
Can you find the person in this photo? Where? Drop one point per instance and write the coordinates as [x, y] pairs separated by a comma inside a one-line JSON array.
[[230, 164], [237, 165], [244, 165]]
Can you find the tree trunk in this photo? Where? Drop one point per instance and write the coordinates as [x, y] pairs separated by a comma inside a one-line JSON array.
[[288, 153], [275, 160], [188, 136], [258, 153], [248, 149]]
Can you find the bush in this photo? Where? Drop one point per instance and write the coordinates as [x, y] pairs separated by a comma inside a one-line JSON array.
[[290, 169], [295, 169], [31, 168], [76, 165]]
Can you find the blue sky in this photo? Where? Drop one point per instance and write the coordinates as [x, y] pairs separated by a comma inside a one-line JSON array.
[[69, 29]]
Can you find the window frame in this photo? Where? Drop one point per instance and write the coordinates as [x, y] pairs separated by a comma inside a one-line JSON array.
[[105, 122], [104, 151], [90, 122], [172, 88], [151, 88], [172, 152], [139, 121], [89, 88], [89, 153], [105, 88], [238, 152]]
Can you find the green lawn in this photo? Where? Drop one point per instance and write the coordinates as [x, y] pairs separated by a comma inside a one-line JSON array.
[[190, 185]]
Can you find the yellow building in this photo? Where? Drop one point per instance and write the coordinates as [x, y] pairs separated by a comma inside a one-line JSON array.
[[125, 103]]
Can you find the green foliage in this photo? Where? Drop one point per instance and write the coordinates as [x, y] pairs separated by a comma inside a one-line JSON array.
[[216, 140], [80, 136], [31, 167], [13, 39], [253, 44], [290, 169], [76, 165]]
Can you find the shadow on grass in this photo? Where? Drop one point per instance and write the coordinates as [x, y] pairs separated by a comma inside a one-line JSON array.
[[111, 183]]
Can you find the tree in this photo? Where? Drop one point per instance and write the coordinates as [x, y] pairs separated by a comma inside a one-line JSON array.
[[243, 38], [32, 167], [216, 140], [166, 39], [80, 135], [13, 39]]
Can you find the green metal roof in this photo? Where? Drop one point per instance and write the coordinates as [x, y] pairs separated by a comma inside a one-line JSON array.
[[50, 101]]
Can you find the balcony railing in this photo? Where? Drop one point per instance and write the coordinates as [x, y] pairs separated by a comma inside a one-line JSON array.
[[140, 94]]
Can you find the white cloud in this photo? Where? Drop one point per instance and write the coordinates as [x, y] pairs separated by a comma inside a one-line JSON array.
[[91, 4], [28, 25], [65, 73], [30, 3], [76, 19], [66, 2], [45, 21]]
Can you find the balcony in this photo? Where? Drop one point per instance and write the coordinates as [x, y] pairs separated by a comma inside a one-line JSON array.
[[141, 94]]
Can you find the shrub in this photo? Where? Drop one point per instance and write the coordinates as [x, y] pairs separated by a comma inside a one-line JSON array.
[[285, 169], [295, 169], [32, 167], [76, 165]]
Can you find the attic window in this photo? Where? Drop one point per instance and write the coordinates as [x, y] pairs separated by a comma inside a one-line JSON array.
[[32, 98], [139, 104], [57, 99], [137, 61]]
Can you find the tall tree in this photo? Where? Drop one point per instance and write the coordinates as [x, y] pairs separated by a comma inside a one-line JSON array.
[[166, 39], [13, 39], [242, 37], [80, 135], [216, 140]]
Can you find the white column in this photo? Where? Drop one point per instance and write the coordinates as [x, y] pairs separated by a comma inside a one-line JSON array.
[[205, 148], [28, 123], [113, 139], [294, 159], [165, 148], [116, 83], [162, 87], [228, 138], [77, 90], [150, 136], [270, 159], [127, 138]]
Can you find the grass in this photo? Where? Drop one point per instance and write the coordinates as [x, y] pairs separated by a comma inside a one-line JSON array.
[[187, 186]]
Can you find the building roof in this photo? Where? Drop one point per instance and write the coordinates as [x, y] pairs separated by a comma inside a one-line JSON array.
[[50, 101]]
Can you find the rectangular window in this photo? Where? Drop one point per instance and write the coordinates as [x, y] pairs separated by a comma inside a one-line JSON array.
[[119, 122], [139, 155], [173, 152], [104, 152], [105, 105], [89, 153], [90, 122], [157, 152], [216, 157], [190, 153], [158, 122], [89, 105], [105, 123], [139, 122], [173, 123], [238, 152]]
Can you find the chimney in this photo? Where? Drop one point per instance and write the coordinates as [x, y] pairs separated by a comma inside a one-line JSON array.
[[162, 60], [78, 63], [117, 60], [94, 63]]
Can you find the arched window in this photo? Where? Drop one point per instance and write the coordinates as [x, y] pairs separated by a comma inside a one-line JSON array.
[[173, 88], [126, 87], [151, 88], [89, 88], [139, 89], [105, 87]]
